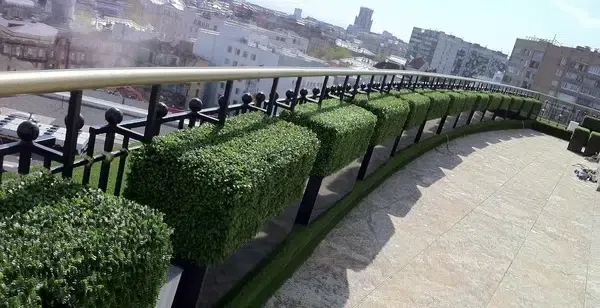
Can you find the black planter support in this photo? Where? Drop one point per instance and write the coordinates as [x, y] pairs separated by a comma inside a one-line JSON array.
[[362, 172], [190, 284], [456, 121], [483, 115], [396, 142], [308, 200], [441, 125], [471, 114], [420, 131], [494, 116]]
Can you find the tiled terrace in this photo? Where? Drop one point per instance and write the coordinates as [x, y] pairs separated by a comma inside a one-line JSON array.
[[496, 219]]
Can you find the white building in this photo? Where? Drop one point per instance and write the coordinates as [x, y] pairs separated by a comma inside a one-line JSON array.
[[281, 38], [233, 49]]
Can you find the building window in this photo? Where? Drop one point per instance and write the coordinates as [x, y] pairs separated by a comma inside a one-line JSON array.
[[527, 74], [222, 84], [229, 49], [245, 54], [594, 70], [235, 63], [237, 51], [237, 91], [227, 60], [559, 72], [563, 61], [554, 83], [253, 57]]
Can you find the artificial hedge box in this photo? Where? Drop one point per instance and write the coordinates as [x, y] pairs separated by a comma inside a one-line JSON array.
[[344, 130], [526, 107], [506, 101], [457, 102], [483, 100], [439, 102], [391, 115], [591, 123], [470, 100], [516, 104], [419, 105], [219, 185], [495, 101], [65, 245]]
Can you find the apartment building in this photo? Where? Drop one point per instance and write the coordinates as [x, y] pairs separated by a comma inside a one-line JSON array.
[[449, 54], [571, 74]]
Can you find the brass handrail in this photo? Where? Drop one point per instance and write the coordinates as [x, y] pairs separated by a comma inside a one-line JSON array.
[[46, 81]]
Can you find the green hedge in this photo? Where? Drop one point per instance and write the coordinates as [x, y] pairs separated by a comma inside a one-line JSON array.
[[506, 101], [558, 132], [581, 135], [483, 100], [526, 108], [591, 123], [593, 144], [391, 113], [495, 101], [457, 102], [344, 130], [439, 102], [516, 104], [535, 110], [64, 245], [470, 100], [419, 104], [218, 186]]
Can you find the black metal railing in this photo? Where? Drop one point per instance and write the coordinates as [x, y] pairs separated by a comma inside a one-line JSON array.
[[139, 131]]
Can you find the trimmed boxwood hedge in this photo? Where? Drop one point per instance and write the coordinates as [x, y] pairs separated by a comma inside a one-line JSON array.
[[343, 129], [470, 100], [419, 104], [593, 144], [391, 115], [457, 102], [581, 135], [526, 107], [439, 102], [495, 101], [483, 100], [516, 104], [591, 123], [65, 245], [506, 101], [218, 185], [535, 110]]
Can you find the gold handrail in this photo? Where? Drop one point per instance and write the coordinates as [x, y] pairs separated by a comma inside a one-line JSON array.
[[46, 81]]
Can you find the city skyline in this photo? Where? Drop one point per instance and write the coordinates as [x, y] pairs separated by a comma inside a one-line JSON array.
[[495, 25]]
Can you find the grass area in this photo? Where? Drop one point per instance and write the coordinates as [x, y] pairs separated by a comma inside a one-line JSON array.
[[258, 286]]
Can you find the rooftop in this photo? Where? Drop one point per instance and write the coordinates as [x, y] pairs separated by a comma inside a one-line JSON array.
[[462, 227]]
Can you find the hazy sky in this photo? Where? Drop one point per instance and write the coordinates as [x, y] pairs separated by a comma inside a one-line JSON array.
[[492, 23]]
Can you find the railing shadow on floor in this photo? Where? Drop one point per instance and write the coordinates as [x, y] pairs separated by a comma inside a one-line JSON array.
[[327, 284]]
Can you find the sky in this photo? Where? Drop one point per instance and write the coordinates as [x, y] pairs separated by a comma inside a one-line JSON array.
[[492, 23]]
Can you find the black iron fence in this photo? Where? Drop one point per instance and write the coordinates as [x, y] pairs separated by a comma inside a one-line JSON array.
[[139, 131]]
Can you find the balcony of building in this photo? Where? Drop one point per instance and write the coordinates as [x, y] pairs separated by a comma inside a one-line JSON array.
[[446, 191]]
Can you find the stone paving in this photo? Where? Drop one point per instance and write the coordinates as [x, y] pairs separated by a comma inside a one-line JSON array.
[[496, 219]]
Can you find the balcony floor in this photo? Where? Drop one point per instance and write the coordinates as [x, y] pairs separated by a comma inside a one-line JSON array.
[[496, 219]]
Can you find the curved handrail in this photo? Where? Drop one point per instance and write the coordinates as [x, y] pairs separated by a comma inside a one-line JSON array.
[[24, 82], [32, 82]]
